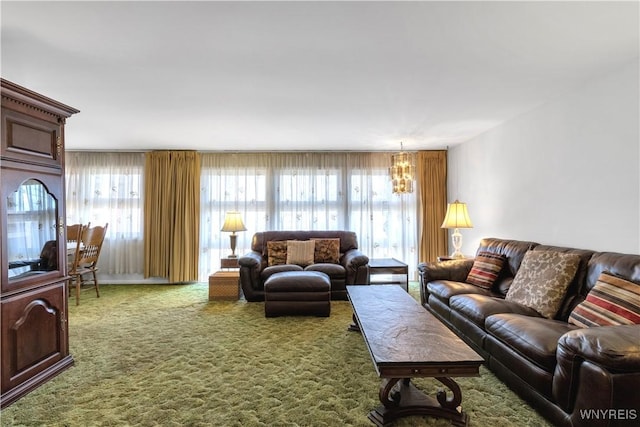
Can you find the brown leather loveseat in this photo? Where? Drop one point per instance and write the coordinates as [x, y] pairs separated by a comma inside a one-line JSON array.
[[349, 266], [574, 375]]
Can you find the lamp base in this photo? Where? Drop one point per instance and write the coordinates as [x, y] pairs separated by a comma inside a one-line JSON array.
[[232, 240], [456, 239]]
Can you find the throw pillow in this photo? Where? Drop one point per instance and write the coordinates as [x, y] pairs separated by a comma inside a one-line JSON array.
[[276, 252], [326, 251], [612, 301], [300, 252], [485, 270], [542, 280]]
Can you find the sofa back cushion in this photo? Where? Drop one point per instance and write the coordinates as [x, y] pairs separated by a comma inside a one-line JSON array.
[[348, 239], [622, 265], [513, 251]]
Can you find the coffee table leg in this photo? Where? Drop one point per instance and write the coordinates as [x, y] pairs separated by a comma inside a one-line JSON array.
[[400, 398], [354, 327]]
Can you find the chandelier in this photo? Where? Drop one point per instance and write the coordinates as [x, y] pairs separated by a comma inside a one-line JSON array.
[[402, 171]]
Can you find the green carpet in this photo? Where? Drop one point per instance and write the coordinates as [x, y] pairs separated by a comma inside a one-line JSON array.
[[163, 355]]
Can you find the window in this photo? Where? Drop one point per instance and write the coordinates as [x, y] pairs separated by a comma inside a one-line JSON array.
[[306, 191], [108, 188]]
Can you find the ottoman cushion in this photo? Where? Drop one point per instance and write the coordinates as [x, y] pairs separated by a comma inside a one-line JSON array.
[[297, 293], [298, 281]]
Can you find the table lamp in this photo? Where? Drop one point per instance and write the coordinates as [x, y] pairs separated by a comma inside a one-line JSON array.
[[233, 223], [457, 217]]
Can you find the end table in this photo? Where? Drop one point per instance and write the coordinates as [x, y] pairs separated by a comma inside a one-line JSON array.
[[389, 266], [224, 285]]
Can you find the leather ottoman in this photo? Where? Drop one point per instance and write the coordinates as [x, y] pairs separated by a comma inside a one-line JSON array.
[[297, 293]]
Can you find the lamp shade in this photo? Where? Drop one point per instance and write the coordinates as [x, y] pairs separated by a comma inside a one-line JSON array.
[[457, 216], [233, 222]]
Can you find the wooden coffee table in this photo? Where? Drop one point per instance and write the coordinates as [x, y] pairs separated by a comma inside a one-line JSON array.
[[406, 341]]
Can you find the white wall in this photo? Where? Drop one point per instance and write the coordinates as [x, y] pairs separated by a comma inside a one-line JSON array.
[[564, 174]]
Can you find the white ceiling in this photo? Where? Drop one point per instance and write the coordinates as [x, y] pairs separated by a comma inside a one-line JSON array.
[[306, 75]]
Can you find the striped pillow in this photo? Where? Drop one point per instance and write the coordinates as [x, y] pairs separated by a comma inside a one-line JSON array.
[[612, 301], [300, 252], [486, 268]]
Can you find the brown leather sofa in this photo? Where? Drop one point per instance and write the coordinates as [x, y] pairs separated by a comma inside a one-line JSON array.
[[351, 268], [573, 376]]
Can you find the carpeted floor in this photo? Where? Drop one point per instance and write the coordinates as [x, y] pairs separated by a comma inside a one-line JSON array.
[[163, 355]]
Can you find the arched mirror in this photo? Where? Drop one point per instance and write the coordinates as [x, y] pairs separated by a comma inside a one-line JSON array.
[[32, 238]]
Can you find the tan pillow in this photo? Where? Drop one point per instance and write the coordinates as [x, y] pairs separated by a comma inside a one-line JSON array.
[[276, 252], [542, 280], [327, 251], [300, 252]]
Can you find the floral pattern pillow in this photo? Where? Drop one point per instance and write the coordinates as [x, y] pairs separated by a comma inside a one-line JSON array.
[[326, 251], [276, 252], [542, 281]]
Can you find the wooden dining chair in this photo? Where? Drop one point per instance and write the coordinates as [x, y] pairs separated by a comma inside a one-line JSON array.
[[84, 265], [73, 232]]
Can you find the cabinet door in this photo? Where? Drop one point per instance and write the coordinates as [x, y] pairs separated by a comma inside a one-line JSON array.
[[33, 248], [34, 334], [32, 139]]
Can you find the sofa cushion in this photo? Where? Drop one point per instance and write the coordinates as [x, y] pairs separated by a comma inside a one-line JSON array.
[[486, 269], [543, 278], [269, 271], [326, 251], [276, 252], [477, 308], [300, 252], [612, 301], [334, 271], [534, 338], [445, 289]]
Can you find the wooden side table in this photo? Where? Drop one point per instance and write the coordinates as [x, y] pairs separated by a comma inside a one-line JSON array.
[[224, 285], [389, 266]]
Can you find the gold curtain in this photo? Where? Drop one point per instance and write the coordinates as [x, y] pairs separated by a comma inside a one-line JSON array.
[[432, 204], [172, 215]]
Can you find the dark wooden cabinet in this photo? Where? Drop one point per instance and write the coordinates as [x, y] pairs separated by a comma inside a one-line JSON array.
[[33, 289]]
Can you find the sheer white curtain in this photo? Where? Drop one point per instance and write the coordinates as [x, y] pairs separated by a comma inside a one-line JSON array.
[[273, 191], [305, 191], [108, 188]]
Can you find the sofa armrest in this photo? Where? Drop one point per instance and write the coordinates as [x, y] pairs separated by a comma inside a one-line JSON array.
[[250, 268], [453, 270], [357, 265], [251, 259], [616, 348], [607, 359]]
